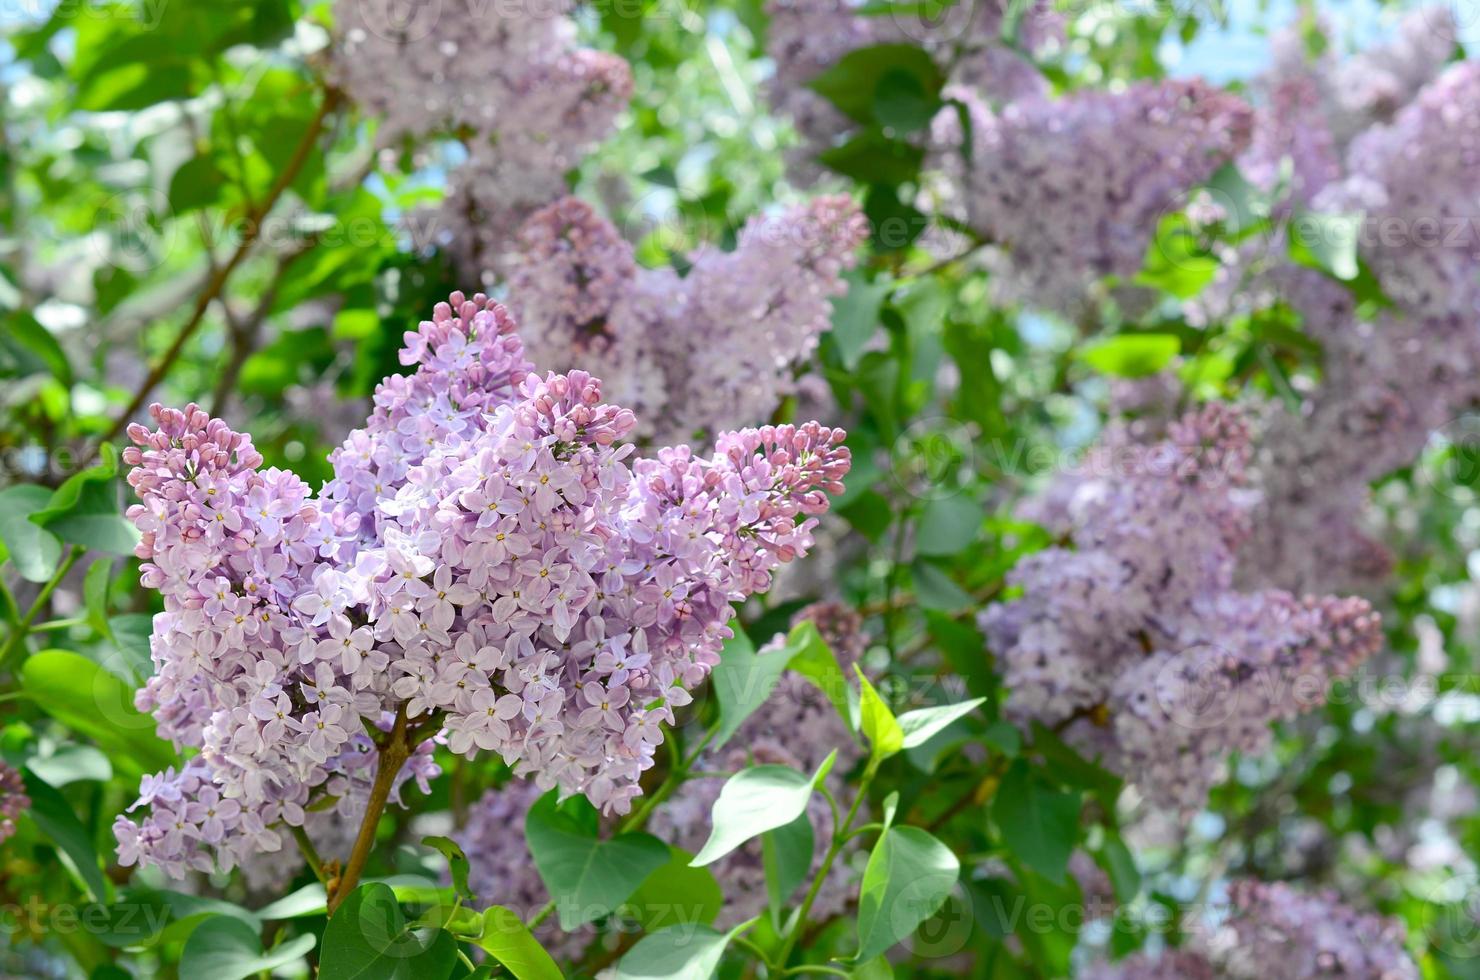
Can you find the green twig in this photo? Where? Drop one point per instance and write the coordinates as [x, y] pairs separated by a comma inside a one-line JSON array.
[[310, 853], [839, 838], [23, 628]]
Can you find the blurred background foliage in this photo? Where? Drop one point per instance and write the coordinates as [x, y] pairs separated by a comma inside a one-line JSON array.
[[190, 212]]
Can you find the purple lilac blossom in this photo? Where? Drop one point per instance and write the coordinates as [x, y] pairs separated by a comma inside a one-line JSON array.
[[1069, 191], [512, 84], [1389, 380], [695, 354], [1135, 642], [1273, 930], [489, 559], [1281, 932]]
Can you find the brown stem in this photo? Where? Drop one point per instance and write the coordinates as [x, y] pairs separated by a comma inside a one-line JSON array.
[[250, 232], [395, 749]]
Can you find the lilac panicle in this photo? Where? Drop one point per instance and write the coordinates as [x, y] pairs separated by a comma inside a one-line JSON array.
[[1273, 930], [1070, 190], [695, 354], [525, 98], [1136, 642], [489, 559]]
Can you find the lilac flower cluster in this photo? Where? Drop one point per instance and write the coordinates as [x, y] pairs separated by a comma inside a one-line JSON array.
[[1276, 931], [797, 726], [806, 37], [1283, 932], [1368, 88], [13, 799], [1069, 191], [487, 561], [511, 83], [690, 355], [1388, 381], [1135, 641]]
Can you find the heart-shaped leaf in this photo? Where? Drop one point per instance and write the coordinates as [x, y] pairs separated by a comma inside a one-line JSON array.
[[586, 876]]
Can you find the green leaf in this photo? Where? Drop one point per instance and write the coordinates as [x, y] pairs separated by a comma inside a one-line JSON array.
[[756, 800], [95, 595], [134, 86], [457, 863], [676, 889], [1327, 242], [72, 764], [902, 104], [677, 953], [869, 515], [1039, 824], [367, 939], [855, 317], [196, 184], [786, 855], [1072, 769], [508, 940], [1243, 204], [1120, 866], [873, 158], [53, 816], [142, 916], [1004, 737], [948, 525], [811, 657], [909, 876], [742, 681], [92, 702], [937, 590], [130, 633], [1177, 260], [586, 877], [84, 510], [880, 727], [901, 79], [1131, 355], [308, 900], [38, 342], [223, 948], [920, 725], [33, 550]]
